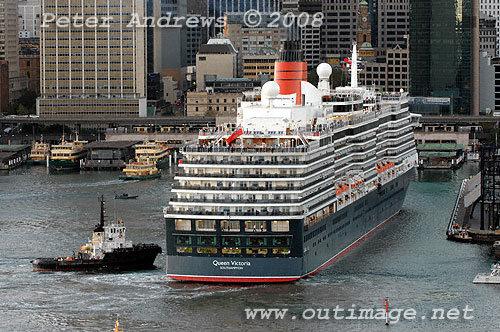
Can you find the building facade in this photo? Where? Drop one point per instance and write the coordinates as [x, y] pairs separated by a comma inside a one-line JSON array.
[[216, 59], [29, 66], [29, 18], [93, 72], [488, 35], [441, 54], [212, 103], [256, 66], [491, 8]]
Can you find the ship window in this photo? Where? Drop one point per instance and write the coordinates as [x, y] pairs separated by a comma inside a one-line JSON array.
[[281, 241], [186, 250], [256, 241], [281, 251], [205, 225], [182, 225], [255, 226], [256, 251], [182, 239], [231, 251], [207, 240], [230, 225], [231, 241], [206, 250], [280, 226]]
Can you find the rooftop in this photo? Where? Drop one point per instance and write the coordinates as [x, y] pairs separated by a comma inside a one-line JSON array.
[[111, 144]]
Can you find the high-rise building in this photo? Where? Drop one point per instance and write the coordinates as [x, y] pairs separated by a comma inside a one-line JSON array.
[[9, 38], [492, 8], [441, 54], [389, 21], [248, 40], [97, 71], [488, 34], [220, 8], [29, 18], [392, 19]]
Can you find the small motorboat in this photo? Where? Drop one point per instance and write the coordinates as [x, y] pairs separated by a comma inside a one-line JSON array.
[[125, 196], [491, 278]]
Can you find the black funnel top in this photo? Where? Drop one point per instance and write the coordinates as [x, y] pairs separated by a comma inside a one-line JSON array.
[[291, 52]]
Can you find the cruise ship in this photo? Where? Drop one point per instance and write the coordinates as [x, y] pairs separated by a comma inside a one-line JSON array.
[[307, 173]]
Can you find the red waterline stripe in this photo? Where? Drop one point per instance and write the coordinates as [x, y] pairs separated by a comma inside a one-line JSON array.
[[233, 279]]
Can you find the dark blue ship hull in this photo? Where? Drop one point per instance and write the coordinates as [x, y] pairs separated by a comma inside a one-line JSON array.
[[314, 247]]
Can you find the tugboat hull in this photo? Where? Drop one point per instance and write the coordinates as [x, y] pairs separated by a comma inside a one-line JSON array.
[[139, 257]]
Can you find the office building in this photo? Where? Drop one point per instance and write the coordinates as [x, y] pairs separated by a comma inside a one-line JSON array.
[[491, 8], [212, 103], [102, 72], [216, 59], [29, 18], [488, 34], [442, 62]]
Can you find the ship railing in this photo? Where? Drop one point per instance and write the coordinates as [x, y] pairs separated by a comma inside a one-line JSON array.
[[258, 162], [171, 210], [248, 175], [454, 213], [250, 188], [255, 149]]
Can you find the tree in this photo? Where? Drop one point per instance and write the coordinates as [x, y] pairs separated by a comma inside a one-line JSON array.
[[21, 110]]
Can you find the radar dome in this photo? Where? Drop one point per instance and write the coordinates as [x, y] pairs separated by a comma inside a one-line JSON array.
[[271, 89], [324, 71]]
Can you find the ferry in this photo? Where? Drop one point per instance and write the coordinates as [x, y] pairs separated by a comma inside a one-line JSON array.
[[39, 153], [67, 155], [307, 173], [140, 170], [152, 150]]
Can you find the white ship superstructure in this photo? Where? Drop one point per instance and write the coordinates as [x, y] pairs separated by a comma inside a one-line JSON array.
[[294, 181]]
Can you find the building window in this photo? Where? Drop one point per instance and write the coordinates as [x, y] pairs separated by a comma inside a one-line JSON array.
[[207, 240], [280, 226], [255, 226], [205, 225], [182, 225], [230, 226]]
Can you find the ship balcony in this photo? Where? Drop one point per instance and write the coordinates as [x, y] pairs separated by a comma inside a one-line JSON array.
[[255, 162], [246, 174], [266, 150], [196, 212], [263, 187]]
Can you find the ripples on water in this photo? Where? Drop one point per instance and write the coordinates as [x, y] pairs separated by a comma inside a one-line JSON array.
[[408, 260]]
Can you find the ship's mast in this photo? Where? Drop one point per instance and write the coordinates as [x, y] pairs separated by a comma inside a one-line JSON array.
[[354, 66], [103, 217]]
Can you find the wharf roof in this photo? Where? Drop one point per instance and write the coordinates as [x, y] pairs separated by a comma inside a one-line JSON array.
[[14, 148], [111, 144], [442, 154], [7, 155]]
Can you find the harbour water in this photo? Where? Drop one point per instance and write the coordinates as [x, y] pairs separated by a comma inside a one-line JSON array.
[[408, 260]]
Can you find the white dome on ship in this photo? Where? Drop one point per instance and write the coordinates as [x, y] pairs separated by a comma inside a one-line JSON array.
[[324, 71], [271, 89]]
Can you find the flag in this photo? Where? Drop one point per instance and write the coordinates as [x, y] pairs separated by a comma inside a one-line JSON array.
[[235, 135]]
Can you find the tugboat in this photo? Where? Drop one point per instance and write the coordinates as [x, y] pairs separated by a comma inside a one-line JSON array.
[[107, 250], [492, 278]]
